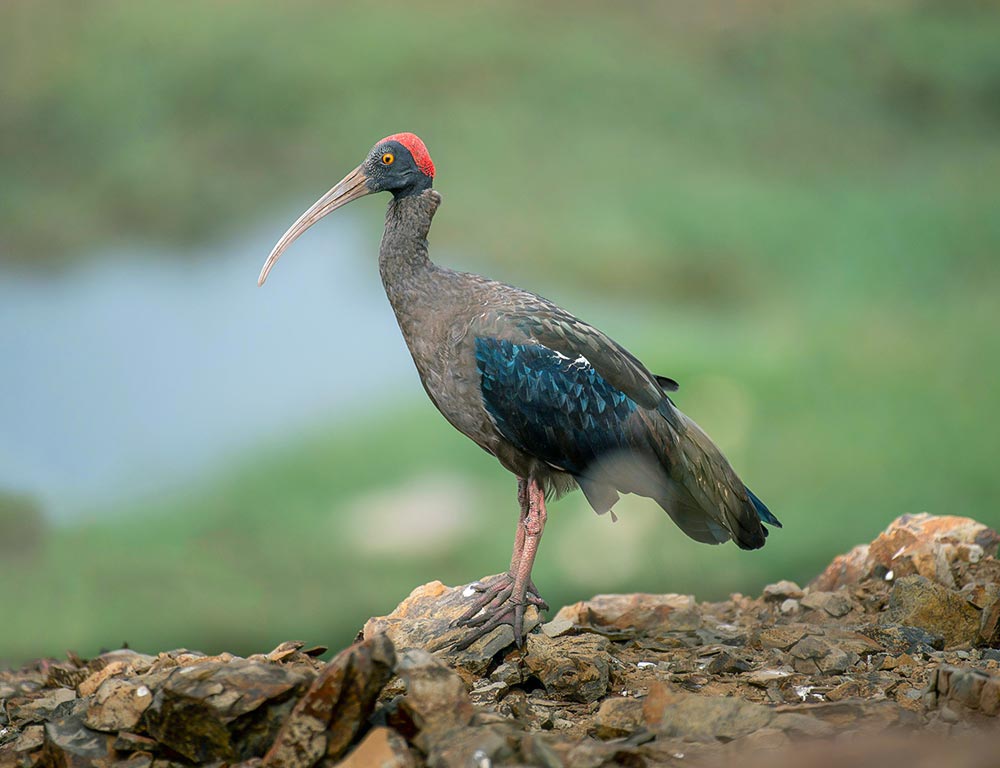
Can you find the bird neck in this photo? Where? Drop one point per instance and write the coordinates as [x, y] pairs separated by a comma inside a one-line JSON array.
[[403, 261]]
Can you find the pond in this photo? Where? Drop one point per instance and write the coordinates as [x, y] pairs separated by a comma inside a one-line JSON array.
[[136, 371]]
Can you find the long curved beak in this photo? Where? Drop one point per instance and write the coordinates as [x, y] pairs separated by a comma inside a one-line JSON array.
[[353, 186]]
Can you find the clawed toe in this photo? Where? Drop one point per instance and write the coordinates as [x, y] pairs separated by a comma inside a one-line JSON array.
[[506, 612], [496, 605]]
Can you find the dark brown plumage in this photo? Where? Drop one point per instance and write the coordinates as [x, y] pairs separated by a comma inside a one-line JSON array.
[[555, 400]]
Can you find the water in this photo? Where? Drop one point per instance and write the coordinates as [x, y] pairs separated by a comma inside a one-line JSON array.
[[134, 371]]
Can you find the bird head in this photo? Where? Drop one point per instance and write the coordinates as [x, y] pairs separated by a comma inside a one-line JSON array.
[[399, 164]]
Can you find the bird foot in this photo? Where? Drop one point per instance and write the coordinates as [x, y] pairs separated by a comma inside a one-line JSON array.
[[495, 606], [492, 595]]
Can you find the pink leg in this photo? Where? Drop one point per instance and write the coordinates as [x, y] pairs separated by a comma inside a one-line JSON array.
[[503, 602]]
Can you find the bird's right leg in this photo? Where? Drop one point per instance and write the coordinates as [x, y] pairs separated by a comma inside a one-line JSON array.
[[499, 589]]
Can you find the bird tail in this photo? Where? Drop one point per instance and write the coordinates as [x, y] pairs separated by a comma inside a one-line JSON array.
[[704, 496]]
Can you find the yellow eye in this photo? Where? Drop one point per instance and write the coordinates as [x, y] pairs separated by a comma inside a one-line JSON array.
[[388, 158]]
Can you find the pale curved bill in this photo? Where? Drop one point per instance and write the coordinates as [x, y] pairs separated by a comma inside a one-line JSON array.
[[353, 186]]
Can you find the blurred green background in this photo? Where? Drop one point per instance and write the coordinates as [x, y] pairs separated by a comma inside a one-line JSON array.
[[791, 208]]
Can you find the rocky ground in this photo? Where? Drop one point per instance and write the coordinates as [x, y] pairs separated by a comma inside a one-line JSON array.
[[891, 654]]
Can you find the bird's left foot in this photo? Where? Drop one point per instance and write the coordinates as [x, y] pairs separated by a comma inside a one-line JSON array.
[[497, 605], [492, 595]]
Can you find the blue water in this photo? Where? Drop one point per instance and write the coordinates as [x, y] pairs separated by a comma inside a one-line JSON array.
[[135, 372]]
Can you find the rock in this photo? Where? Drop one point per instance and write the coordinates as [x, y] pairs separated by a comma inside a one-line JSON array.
[[118, 705], [557, 627], [904, 639], [133, 742], [201, 705], [763, 677], [919, 602], [782, 637], [809, 648], [925, 545], [834, 603], [507, 673], [955, 690], [474, 747], [69, 743], [426, 619], [381, 748], [31, 738], [790, 607], [989, 623], [641, 613], [572, 668], [89, 686], [783, 590], [693, 717], [329, 716], [846, 690], [42, 707], [618, 717], [436, 702]]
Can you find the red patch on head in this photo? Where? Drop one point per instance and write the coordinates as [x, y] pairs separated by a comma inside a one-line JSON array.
[[417, 148]]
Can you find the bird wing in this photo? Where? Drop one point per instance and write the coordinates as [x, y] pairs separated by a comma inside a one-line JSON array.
[[558, 330], [558, 409]]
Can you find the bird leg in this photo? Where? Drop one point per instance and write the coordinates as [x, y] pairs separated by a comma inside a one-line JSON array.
[[503, 600]]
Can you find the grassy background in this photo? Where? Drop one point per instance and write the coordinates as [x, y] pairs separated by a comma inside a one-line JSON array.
[[791, 208]]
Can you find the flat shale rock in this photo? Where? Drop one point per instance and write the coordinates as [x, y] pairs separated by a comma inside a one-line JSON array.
[[426, 619], [919, 602], [336, 707], [221, 710], [574, 668], [436, 703], [118, 705], [637, 613]]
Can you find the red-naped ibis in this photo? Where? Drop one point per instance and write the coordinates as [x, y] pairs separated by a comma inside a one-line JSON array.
[[556, 401]]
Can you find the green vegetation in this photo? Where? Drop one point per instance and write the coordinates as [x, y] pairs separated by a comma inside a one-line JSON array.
[[791, 211]]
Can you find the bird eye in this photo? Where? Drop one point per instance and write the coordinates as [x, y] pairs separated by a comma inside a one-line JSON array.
[[388, 158]]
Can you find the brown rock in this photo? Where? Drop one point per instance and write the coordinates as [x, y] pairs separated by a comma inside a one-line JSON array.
[[904, 639], [381, 748], [693, 717], [781, 637], [118, 705], [927, 545], [810, 647], [846, 690], [203, 703], [836, 604], [31, 738], [329, 716], [958, 689], [90, 685], [426, 619], [837, 661], [436, 701], [574, 668], [917, 601], [70, 744], [473, 747], [618, 717], [989, 623], [635, 613], [783, 590], [126, 741], [41, 707]]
